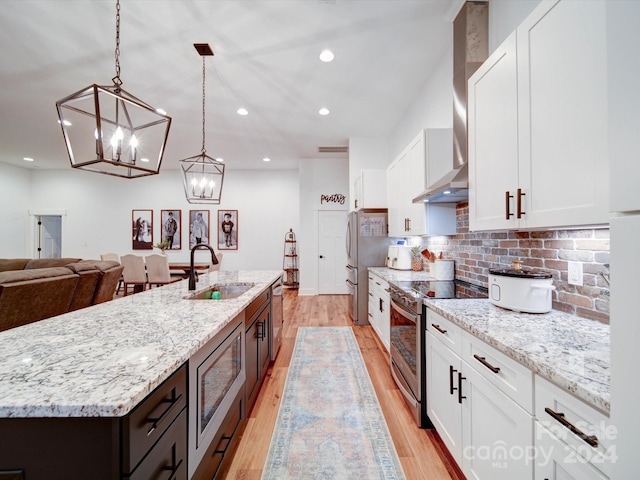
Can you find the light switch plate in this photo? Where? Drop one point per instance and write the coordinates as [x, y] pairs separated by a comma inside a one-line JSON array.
[[575, 273]]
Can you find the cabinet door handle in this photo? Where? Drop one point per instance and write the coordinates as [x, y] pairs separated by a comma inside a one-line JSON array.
[[439, 328], [174, 466], [381, 305], [408, 224], [356, 203], [483, 361], [261, 330], [519, 211], [559, 417], [451, 372], [460, 396], [156, 420], [507, 206]]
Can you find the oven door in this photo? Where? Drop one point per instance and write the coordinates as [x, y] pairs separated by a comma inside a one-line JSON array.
[[405, 352]]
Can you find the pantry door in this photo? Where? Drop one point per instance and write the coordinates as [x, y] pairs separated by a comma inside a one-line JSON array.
[[332, 254]]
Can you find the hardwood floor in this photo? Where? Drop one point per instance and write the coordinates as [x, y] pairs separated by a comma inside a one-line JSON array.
[[421, 452]]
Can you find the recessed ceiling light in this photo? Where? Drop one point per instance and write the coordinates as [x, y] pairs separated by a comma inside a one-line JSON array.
[[243, 111], [323, 111], [161, 111], [220, 159], [66, 123], [326, 56], [144, 159], [27, 159], [266, 159]]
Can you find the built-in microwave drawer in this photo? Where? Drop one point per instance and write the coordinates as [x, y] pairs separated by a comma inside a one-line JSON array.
[[508, 375], [142, 428], [445, 330]]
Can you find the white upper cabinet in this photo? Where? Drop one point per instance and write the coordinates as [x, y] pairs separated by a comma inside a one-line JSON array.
[[427, 158], [370, 189], [493, 139], [538, 123], [406, 178]]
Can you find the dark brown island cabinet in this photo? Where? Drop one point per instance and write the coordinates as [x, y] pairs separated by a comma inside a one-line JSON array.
[[152, 441]]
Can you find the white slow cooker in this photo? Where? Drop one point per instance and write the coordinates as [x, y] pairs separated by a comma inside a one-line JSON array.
[[521, 290]]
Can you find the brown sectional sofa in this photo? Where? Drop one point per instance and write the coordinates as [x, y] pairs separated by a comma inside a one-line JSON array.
[[43, 288]]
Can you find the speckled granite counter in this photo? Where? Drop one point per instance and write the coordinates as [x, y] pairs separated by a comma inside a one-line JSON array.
[[103, 360], [572, 352], [389, 274]]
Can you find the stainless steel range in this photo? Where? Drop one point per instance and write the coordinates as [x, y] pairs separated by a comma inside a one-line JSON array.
[[408, 327]]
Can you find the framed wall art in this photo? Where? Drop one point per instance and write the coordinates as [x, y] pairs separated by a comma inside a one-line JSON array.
[[142, 229], [171, 228], [198, 227], [227, 229]]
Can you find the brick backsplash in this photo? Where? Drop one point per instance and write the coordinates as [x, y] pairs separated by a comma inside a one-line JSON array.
[[550, 250]]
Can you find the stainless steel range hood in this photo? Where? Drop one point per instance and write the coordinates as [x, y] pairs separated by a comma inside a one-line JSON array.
[[470, 49]]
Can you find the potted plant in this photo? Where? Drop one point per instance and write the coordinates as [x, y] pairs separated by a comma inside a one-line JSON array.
[[164, 245], [416, 259]]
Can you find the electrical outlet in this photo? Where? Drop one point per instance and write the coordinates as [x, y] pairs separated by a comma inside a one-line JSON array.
[[575, 273]]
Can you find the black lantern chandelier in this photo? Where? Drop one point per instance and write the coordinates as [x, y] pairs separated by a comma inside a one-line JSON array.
[[108, 130], [202, 175]]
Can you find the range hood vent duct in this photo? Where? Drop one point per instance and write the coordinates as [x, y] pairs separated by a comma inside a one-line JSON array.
[[470, 50]]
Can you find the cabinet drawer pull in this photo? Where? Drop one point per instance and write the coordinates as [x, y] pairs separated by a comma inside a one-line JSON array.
[[174, 466], [155, 421], [519, 211], [483, 361], [223, 450], [261, 331], [451, 372], [439, 328], [590, 439], [460, 396], [507, 207]]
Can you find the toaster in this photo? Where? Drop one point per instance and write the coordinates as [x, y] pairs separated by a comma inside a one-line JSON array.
[[399, 257]]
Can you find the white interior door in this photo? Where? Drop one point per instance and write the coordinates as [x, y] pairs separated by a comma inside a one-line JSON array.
[[49, 236], [332, 257]]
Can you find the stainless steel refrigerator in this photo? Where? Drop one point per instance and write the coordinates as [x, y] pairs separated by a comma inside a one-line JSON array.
[[367, 245]]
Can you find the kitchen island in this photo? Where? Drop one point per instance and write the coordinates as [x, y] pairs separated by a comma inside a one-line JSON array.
[[103, 361]]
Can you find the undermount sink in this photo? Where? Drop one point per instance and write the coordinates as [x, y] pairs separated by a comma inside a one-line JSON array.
[[225, 291]]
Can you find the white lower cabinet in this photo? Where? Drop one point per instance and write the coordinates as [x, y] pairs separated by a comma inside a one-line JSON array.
[[379, 314], [497, 433], [581, 434], [488, 434], [443, 408], [555, 460], [500, 421]]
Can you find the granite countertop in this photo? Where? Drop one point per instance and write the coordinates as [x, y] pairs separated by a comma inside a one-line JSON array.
[[103, 360], [570, 351], [390, 275]]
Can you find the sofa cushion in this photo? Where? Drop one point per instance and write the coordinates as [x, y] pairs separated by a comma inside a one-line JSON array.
[[49, 262], [111, 275], [13, 263], [89, 277], [30, 295]]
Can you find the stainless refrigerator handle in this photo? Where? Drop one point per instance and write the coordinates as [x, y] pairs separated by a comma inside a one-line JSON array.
[[347, 239]]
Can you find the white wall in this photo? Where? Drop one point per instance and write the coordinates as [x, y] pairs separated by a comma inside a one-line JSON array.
[[365, 153], [14, 198], [317, 177], [98, 211]]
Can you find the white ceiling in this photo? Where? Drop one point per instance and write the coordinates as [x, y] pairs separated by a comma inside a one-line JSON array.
[[266, 60]]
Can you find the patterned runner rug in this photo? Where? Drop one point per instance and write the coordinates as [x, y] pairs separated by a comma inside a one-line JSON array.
[[330, 425]]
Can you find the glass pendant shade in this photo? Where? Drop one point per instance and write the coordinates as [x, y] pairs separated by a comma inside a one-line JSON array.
[[202, 177], [108, 130]]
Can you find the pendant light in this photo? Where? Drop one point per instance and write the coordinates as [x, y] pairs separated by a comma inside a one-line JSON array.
[[108, 130], [202, 175]]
